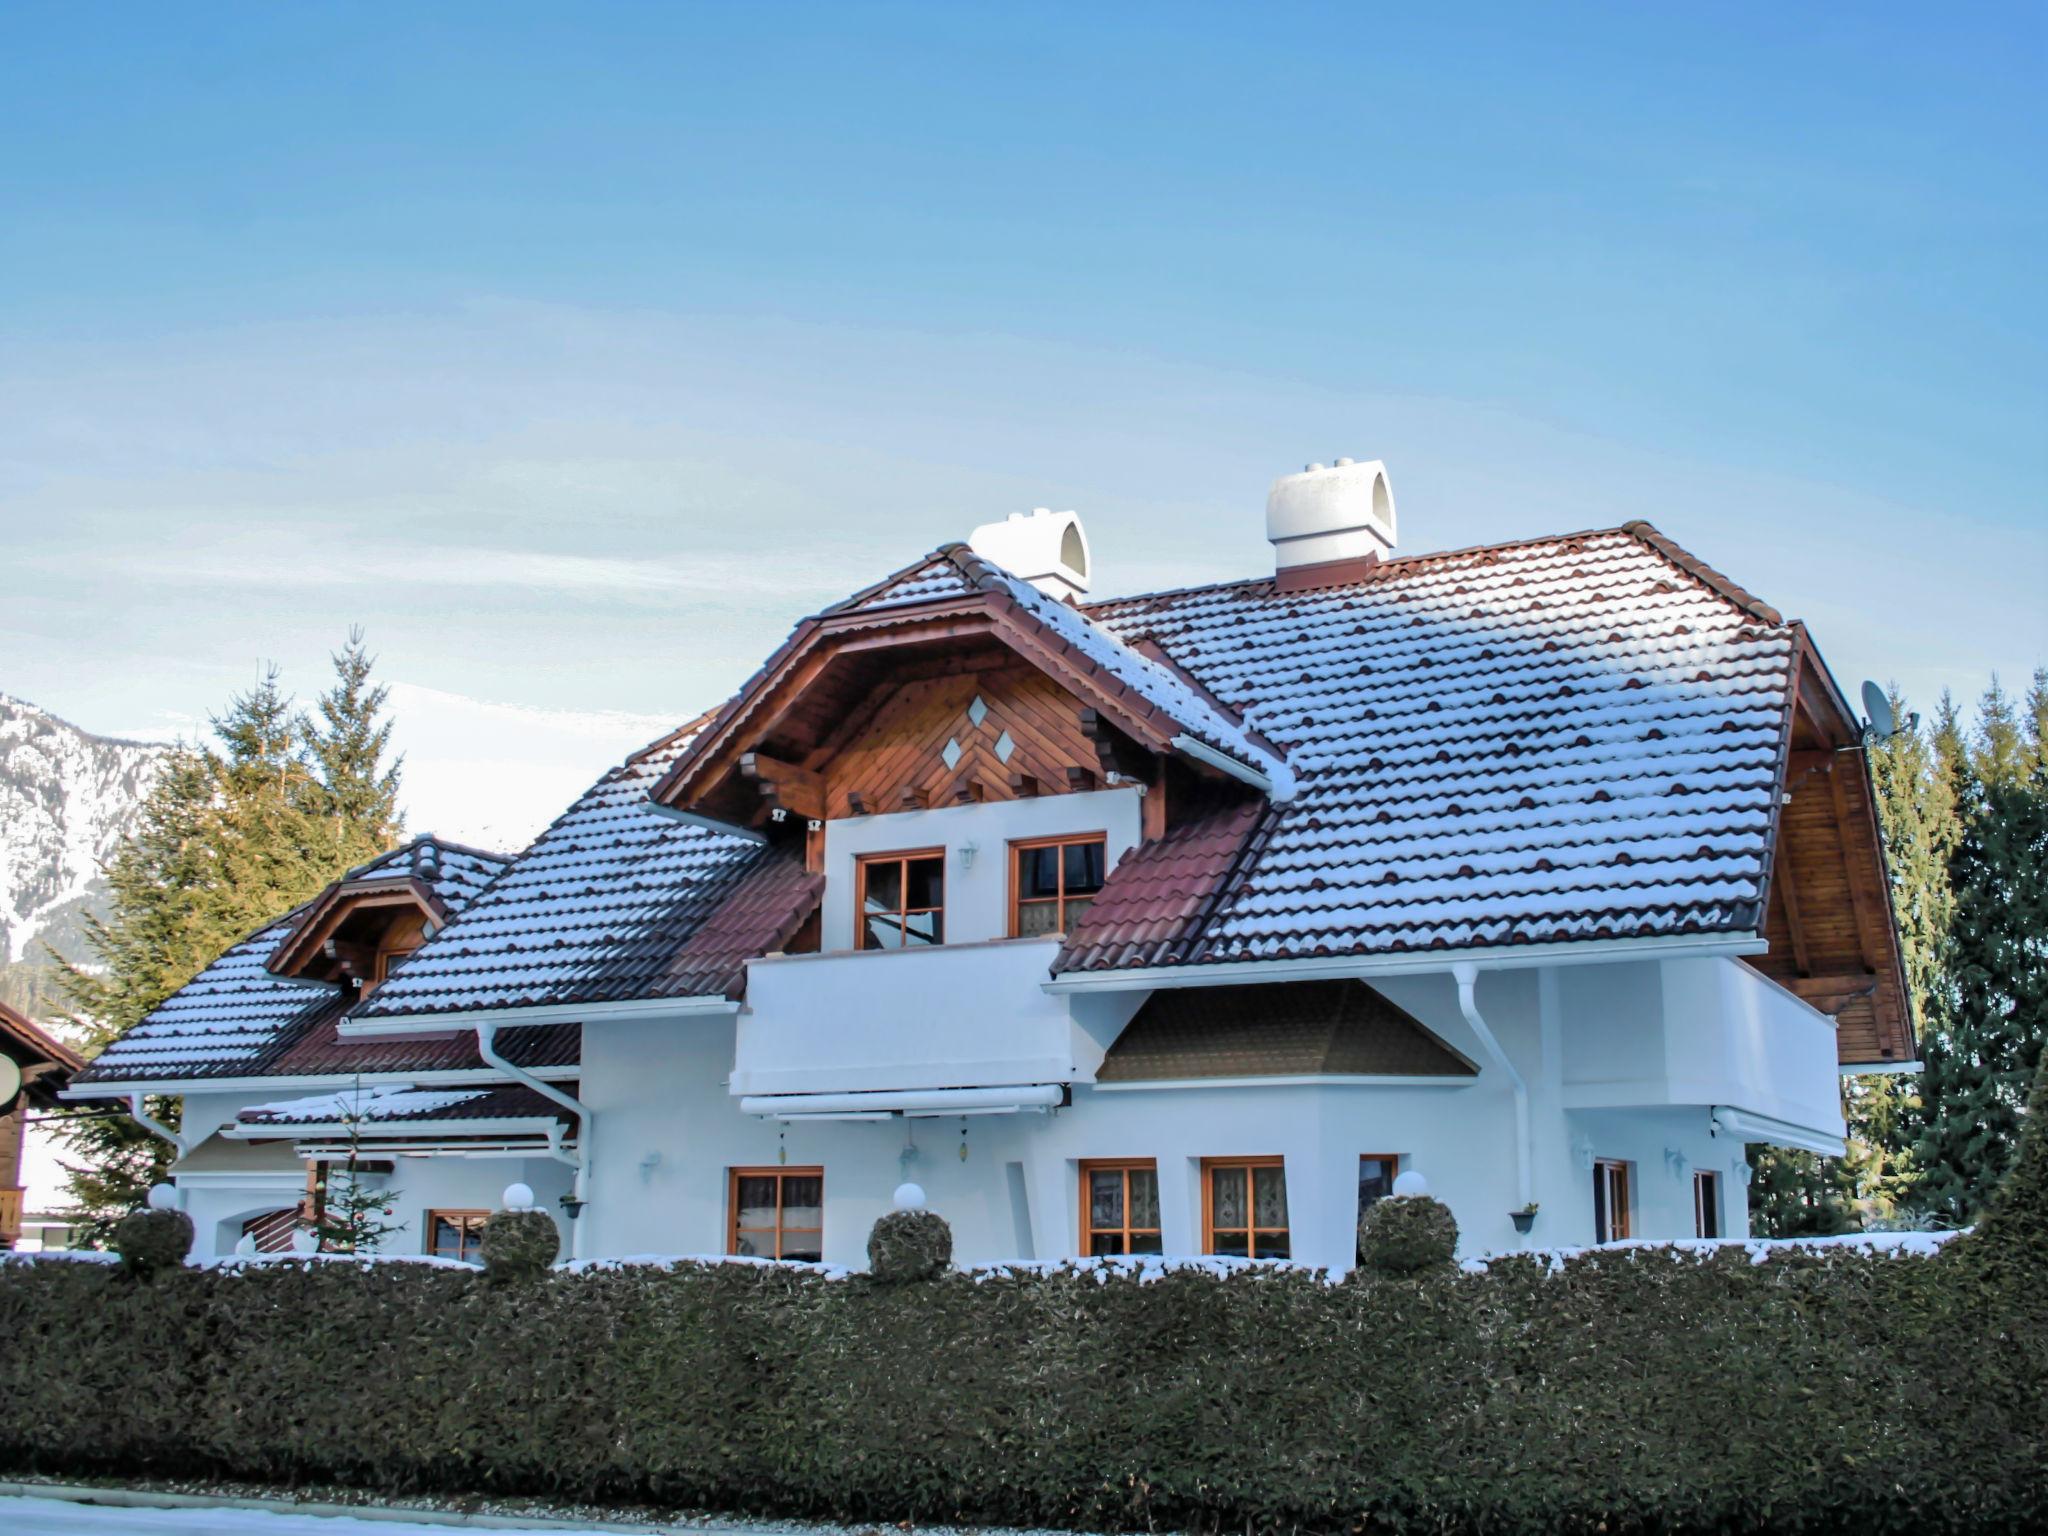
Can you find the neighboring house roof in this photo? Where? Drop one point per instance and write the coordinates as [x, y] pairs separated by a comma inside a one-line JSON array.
[[1569, 738], [236, 1018], [1287, 1029], [615, 900], [47, 1062], [384, 1106]]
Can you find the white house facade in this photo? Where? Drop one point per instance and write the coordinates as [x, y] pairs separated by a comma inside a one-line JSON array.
[[1177, 924]]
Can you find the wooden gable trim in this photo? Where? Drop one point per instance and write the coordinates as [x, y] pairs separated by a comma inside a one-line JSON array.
[[768, 699], [1844, 956], [337, 904]]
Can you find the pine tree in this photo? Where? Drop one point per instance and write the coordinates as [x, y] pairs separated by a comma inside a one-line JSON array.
[[352, 1217], [151, 944], [1992, 997], [234, 833], [346, 745]]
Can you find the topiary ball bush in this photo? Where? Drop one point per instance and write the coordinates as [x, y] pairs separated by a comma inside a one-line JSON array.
[[520, 1245], [910, 1245], [1406, 1233], [149, 1241]]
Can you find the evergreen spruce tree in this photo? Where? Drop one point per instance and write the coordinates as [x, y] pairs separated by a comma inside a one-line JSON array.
[[346, 744], [152, 943], [1992, 997], [234, 833], [354, 1216]]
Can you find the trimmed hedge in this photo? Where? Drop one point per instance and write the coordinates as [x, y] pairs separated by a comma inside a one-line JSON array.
[[149, 1241], [520, 1245], [1406, 1233], [904, 1246], [1621, 1391]]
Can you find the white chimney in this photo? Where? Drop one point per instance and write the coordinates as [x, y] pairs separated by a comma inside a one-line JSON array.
[[1330, 525], [1047, 549]]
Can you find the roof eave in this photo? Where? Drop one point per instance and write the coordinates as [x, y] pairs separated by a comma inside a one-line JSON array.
[[1417, 962], [383, 1026]]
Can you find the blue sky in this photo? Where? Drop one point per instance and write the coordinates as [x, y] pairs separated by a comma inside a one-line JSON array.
[[577, 350]]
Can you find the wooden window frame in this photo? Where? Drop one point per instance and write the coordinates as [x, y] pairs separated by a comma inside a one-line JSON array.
[[1024, 845], [1210, 1166], [1706, 1201], [780, 1174], [1605, 1170], [861, 864], [455, 1216], [1126, 1166]]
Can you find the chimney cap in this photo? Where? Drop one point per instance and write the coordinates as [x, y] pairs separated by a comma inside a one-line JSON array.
[[1338, 519], [1046, 548]]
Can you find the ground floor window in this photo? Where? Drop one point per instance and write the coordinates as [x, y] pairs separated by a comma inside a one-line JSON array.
[[1244, 1207], [1120, 1207], [1610, 1201], [1706, 1203], [777, 1213], [273, 1229], [457, 1235], [1376, 1173]]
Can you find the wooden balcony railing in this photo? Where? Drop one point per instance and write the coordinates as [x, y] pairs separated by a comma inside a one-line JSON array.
[[10, 1217]]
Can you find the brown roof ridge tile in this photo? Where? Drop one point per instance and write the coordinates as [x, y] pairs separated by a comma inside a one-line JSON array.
[[1392, 565], [1646, 534]]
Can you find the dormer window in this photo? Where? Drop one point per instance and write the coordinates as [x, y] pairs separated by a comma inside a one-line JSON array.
[[1055, 879], [902, 899]]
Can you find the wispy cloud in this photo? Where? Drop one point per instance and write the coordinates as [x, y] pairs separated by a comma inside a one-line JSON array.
[[326, 563]]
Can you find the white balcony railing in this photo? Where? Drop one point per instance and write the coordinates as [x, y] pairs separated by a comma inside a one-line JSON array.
[[891, 1021]]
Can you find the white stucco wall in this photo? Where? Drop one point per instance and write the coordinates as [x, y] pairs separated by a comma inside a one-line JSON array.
[[219, 1203], [977, 894], [671, 1129]]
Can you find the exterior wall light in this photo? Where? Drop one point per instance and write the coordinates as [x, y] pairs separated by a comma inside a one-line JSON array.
[[967, 853]]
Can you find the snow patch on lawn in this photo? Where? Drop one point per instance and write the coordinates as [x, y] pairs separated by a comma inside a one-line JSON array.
[[1916, 1245]]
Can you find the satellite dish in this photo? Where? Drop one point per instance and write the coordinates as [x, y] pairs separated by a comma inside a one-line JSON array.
[[1883, 725], [10, 1083]]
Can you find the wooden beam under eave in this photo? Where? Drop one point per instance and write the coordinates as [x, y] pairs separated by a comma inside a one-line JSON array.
[[1868, 906], [1787, 886], [1830, 994], [786, 785]]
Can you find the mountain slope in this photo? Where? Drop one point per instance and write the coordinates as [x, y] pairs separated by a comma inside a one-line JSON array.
[[67, 798]]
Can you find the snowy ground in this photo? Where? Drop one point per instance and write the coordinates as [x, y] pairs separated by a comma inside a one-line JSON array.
[[36, 1516], [56, 1517]]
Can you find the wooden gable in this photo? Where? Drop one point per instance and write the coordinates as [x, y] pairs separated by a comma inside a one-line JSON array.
[[867, 710], [982, 735], [354, 934], [1828, 916]]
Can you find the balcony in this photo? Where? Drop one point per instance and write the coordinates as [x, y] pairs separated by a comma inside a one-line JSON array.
[[1709, 1032], [912, 1021]]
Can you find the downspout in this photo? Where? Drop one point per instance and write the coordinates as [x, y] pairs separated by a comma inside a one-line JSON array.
[[154, 1126], [486, 1047], [1466, 974]]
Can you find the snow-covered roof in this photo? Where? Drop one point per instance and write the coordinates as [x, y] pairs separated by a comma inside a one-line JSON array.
[[956, 571], [397, 1105], [235, 1016], [605, 905], [1570, 738]]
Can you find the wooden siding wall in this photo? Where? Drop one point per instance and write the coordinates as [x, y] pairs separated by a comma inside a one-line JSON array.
[[1828, 922], [903, 743]]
